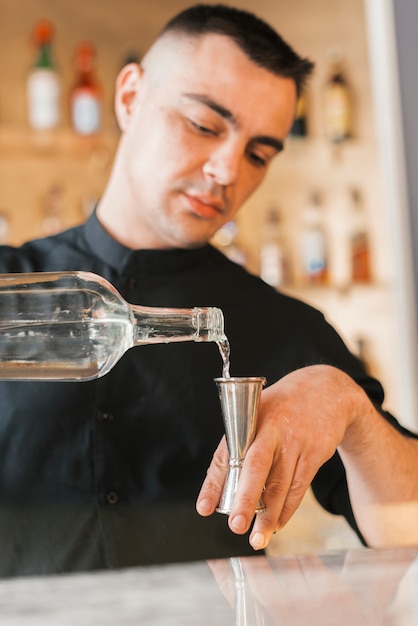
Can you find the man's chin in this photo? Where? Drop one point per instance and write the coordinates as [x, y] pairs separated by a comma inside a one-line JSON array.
[[192, 245], [192, 241]]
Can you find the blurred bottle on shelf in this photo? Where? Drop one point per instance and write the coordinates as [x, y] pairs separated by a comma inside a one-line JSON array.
[[359, 240], [4, 227], [43, 84], [313, 243], [338, 101], [338, 240], [86, 93], [274, 265], [225, 239], [300, 124]]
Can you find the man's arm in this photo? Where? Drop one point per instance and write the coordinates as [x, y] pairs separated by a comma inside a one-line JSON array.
[[303, 418], [382, 475]]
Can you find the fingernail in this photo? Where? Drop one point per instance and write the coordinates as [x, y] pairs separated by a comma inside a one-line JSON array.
[[204, 507], [239, 524], [257, 541]]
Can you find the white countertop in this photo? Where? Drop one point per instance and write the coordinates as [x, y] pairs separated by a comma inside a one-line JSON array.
[[351, 588]]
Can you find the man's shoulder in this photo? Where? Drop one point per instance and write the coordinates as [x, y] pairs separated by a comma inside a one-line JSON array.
[[49, 253]]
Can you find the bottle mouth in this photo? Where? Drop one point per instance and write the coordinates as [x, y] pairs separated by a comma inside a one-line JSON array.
[[210, 321]]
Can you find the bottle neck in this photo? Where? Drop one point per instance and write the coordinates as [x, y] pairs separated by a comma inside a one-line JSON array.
[[85, 79], [44, 58], [164, 325]]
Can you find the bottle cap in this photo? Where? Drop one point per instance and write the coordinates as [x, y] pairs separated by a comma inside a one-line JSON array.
[[84, 56], [43, 32]]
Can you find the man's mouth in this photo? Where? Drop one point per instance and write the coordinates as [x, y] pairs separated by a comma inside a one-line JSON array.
[[204, 206]]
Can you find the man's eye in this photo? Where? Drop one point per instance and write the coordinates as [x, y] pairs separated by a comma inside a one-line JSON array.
[[204, 130], [257, 159]]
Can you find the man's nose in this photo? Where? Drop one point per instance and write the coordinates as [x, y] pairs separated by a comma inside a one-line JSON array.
[[223, 164]]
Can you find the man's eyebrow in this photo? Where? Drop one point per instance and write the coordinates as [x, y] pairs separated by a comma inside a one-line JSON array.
[[266, 140], [226, 114], [215, 106]]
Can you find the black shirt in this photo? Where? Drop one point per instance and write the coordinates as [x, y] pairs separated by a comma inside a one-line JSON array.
[[105, 473]]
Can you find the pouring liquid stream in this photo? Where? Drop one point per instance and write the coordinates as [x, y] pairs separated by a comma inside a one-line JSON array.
[[225, 350], [239, 398]]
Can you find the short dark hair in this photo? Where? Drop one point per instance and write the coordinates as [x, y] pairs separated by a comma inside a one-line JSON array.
[[260, 42]]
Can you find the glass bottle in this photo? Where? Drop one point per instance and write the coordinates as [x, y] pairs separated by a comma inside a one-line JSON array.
[[273, 258], [86, 94], [338, 105], [359, 241], [4, 227], [76, 326], [43, 85], [313, 243]]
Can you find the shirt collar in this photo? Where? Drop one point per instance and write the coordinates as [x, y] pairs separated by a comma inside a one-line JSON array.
[[119, 256], [103, 245]]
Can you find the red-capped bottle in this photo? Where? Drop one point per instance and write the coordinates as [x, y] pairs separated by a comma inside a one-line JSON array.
[[86, 94], [43, 85]]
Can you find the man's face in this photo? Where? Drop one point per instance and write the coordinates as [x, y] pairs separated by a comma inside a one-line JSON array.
[[205, 124]]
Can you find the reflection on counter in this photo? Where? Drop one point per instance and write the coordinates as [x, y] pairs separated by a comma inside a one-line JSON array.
[[352, 588]]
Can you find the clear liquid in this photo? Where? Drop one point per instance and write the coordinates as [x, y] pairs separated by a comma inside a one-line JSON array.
[[76, 326], [225, 350], [62, 351], [73, 350]]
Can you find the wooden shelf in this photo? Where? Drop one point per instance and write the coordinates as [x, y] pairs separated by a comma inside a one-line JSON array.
[[18, 140]]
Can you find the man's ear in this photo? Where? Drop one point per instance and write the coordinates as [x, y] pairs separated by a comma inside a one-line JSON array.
[[127, 85]]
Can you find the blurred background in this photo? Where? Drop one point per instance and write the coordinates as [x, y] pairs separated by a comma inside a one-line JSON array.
[[332, 222]]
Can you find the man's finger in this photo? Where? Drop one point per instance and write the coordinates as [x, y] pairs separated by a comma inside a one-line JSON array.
[[210, 493]]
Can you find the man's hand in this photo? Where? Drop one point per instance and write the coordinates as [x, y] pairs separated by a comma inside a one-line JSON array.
[[302, 419]]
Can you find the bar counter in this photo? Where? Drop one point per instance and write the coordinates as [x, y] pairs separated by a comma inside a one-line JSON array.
[[346, 588]]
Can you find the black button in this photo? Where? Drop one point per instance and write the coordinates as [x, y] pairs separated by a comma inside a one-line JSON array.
[[112, 497], [106, 417]]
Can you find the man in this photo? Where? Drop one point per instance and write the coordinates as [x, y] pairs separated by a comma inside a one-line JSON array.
[[106, 473]]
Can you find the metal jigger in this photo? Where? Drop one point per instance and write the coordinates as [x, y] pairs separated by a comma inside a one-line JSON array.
[[239, 402]]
